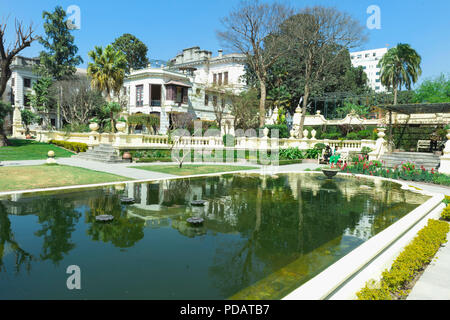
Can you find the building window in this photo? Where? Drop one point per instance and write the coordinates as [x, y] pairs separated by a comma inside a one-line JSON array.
[[215, 78], [223, 103], [220, 79], [225, 78], [27, 82], [215, 101], [139, 95], [206, 99], [378, 80], [12, 82]]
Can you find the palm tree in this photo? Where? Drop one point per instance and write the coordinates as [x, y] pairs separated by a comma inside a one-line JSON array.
[[107, 72], [400, 66]]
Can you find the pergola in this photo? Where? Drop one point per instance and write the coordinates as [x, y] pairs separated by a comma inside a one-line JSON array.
[[416, 108]]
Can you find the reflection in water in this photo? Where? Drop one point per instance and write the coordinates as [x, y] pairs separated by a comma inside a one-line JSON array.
[[122, 232], [262, 236]]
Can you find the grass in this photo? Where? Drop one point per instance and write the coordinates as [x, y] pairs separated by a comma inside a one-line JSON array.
[[30, 150], [192, 169], [47, 176]]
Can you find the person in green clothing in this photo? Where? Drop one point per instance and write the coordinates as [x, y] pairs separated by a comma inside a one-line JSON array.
[[335, 157]]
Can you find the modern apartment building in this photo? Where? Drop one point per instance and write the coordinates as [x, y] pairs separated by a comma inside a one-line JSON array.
[[369, 60], [194, 81]]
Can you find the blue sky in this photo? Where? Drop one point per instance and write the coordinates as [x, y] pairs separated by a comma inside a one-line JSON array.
[[167, 27]]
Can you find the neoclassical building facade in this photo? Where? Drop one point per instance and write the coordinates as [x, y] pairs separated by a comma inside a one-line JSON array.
[[194, 81]]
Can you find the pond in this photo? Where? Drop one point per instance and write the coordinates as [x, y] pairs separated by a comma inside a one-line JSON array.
[[262, 236]]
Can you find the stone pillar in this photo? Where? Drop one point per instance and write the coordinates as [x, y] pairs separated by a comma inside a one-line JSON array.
[[445, 159], [163, 121], [17, 123]]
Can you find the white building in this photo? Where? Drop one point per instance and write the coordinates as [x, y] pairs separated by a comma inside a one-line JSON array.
[[193, 81], [369, 60], [20, 84]]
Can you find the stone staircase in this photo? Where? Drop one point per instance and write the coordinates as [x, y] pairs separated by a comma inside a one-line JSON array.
[[428, 160], [102, 153]]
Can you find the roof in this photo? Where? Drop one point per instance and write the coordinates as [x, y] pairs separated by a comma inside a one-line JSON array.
[[418, 108], [177, 83]]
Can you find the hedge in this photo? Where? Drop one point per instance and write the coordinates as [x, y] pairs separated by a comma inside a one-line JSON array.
[[74, 146], [411, 260]]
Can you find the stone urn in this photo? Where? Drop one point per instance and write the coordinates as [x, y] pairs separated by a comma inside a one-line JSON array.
[[330, 173], [127, 156], [381, 133], [93, 126], [266, 132], [121, 126]]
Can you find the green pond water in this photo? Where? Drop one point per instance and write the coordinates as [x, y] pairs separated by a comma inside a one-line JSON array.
[[263, 236]]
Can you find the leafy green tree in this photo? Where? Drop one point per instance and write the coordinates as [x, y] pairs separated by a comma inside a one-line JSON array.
[[28, 117], [107, 72], [41, 98], [400, 66], [59, 61], [134, 49], [433, 90]]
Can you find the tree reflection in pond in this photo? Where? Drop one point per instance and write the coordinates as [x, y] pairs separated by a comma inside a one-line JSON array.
[[122, 232], [57, 218], [7, 240]]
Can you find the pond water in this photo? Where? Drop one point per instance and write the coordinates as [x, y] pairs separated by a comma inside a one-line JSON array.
[[262, 236]]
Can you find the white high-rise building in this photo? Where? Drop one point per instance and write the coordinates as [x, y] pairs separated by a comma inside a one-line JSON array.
[[369, 60]]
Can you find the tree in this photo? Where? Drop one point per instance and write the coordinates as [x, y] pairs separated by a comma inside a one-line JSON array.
[[24, 37], [107, 72], [5, 109], [134, 49], [60, 59], [28, 117], [433, 90], [400, 66], [79, 102], [252, 29], [244, 108], [40, 97], [320, 37]]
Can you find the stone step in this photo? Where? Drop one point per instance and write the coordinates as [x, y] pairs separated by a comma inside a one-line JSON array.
[[101, 153]]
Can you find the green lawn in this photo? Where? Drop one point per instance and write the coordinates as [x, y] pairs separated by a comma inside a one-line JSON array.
[[192, 169], [30, 150], [47, 176]]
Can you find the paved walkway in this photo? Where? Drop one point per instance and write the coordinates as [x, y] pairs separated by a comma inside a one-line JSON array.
[[434, 284]]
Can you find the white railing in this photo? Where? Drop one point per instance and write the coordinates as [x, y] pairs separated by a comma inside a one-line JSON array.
[[146, 141]]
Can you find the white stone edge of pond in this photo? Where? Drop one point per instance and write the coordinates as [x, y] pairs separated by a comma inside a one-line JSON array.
[[343, 279], [348, 275]]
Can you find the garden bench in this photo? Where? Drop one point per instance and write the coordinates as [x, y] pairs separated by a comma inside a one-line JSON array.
[[423, 144]]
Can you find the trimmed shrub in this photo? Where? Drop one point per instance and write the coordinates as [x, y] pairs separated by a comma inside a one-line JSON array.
[[352, 136], [283, 131], [73, 146], [291, 154], [412, 259], [446, 212]]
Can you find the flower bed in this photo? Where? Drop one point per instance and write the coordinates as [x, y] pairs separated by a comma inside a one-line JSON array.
[[405, 171]]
